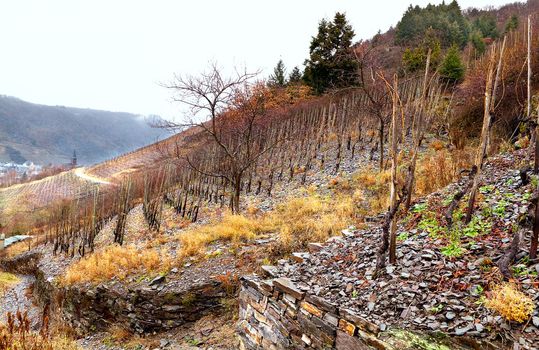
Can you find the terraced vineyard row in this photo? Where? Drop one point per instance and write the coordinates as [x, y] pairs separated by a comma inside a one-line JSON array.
[[29, 198]]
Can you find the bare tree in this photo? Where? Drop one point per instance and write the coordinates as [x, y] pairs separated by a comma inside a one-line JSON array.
[[389, 225], [226, 112], [375, 90]]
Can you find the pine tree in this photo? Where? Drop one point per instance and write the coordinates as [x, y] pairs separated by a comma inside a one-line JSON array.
[[486, 24], [277, 79], [331, 63], [477, 41], [295, 76], [414, 59], [511, 24], [452, 68], [446, 20]]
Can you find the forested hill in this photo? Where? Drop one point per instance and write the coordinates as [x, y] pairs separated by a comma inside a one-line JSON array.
[[49, 134]]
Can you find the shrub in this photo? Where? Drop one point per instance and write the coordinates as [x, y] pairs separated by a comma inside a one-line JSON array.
[[510, 303], [115, 261], [16, 335]]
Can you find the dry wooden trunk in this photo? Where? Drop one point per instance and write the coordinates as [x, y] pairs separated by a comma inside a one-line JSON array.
[[485, 133], [418, 136], [394, 164]]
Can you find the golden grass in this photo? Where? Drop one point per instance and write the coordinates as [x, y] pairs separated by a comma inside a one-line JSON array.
[[298, 221], [7, 280], [371, 187], [437, 169], [21, 247], [308, 219], [510, 303], [32, 340], [116, 261], [232, 228]]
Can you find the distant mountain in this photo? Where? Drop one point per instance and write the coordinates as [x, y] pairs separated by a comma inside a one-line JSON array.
[[50, 134]]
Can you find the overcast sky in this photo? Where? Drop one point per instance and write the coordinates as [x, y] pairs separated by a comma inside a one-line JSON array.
[[111, 54]]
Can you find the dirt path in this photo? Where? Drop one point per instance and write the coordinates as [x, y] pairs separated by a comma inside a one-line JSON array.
[[80, 172], [19, 298]]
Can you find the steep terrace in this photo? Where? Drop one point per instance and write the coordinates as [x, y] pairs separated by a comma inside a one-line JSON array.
[[328, 298]]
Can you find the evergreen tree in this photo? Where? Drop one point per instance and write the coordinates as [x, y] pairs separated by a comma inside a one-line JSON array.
[[331, 63], [295, 76], [486, 24], [415, 59], [511, 24], [477, 41], [278, 79], [452, 68], [446, 20]]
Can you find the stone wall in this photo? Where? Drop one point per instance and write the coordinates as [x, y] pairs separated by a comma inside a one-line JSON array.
[[24, 263], [277, 314], [142, 309]]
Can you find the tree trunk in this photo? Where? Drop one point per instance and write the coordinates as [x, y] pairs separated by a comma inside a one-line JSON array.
[[394, 164], [236, 198], [381, 141], [507, 259]]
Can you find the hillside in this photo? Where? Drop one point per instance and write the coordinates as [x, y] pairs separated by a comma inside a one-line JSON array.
[[386, 198], [49, 134]]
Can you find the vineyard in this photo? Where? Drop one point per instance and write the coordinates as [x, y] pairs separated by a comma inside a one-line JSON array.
[[255, 139], [397, 191]]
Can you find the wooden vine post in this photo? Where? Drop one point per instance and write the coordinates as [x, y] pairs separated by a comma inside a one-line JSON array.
[[417, 130], [485, 134], [394, 164], [535, 234]]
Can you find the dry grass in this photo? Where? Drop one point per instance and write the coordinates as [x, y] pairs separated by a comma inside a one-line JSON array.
[[116, 261], [232, 228], [437, 145], [16, 335], [23, 246], [373, 187], [298, 221], [510, 303], [437, 169], [308, 219]]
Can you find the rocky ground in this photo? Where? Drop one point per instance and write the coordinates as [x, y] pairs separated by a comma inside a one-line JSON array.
[[18, 297], [437, 285], [342, 271], [213, 332]]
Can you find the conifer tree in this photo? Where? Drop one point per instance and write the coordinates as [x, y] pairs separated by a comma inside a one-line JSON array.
[[452, 68], [295, 76], [278, 78], [511, 24], [331, 63]]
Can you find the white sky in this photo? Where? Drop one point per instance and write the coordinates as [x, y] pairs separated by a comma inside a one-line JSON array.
[[111, 54]]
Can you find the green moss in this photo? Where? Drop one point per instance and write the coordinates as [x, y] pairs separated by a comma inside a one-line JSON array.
[[188, 299], [7, 280], [408, 340]]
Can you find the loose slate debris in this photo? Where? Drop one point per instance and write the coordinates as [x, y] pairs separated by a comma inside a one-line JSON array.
[[426, 290]]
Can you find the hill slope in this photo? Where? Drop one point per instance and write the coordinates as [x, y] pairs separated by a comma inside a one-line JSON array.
[[49, 134]]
